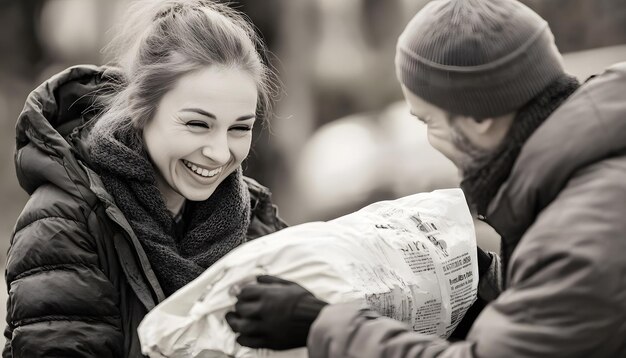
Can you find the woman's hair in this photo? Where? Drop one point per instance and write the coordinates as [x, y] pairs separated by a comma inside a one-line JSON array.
[[161, 40]]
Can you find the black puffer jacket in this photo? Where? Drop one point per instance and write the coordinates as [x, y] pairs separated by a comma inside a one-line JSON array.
[[79, 282]]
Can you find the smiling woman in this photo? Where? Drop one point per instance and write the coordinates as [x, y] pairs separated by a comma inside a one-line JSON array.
[[134, 172], [201, 132]]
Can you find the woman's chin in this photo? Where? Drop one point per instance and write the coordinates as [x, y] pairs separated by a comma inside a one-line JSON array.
[[195, 195]]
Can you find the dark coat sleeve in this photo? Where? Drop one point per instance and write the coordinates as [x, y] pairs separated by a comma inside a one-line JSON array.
[[566, 293], [345, 330], [61, 303]]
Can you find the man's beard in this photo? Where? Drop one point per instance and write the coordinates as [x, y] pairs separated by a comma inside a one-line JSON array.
[[472, 163], [474, 156]]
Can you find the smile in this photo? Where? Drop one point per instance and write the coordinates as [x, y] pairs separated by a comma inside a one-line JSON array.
[[204, 172]]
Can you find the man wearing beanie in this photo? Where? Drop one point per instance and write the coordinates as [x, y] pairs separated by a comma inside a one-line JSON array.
[[543, 161]]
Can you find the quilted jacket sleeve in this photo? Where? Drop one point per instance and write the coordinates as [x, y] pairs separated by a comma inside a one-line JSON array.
[[61, 303]]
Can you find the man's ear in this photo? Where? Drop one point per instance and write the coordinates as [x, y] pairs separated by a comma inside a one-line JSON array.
[[483, 126], [487, 132], [472, 125]]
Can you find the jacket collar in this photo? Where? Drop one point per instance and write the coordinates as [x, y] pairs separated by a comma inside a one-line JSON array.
[[589, 127]]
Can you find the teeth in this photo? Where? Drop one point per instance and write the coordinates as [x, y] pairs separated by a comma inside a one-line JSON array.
[[201, 171], [215, 172]]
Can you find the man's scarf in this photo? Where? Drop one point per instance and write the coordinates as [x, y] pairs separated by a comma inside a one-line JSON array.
[[482, 180]]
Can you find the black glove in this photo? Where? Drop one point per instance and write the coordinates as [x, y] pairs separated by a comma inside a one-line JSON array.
[[275, 314], [461, 331], [484, 261]]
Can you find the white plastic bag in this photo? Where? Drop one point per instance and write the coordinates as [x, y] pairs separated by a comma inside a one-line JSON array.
[[412, 259]]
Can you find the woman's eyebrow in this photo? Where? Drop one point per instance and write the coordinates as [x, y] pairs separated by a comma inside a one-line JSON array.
[[211, 115], [199, 111], [243, 118]]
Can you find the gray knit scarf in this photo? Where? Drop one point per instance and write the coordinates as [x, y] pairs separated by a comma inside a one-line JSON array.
[[212, 227]]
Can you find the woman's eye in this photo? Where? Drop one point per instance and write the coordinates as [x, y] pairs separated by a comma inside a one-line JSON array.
[[242, 128], [197, 124]]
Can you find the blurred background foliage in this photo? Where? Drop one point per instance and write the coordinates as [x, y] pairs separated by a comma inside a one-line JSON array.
[[342, 137]]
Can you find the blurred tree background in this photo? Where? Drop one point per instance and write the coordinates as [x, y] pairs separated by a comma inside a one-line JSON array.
[[341, 138]]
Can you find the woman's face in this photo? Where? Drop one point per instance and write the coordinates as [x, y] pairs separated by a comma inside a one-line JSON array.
[[201, 131]]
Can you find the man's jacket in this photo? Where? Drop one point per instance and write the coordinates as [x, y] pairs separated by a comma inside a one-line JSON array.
[[562, 217]]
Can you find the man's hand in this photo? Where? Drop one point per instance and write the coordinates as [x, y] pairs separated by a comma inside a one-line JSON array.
[[484, 261], [274, 313]]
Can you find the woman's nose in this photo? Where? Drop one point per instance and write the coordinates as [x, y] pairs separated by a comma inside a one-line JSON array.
[[217, 150]]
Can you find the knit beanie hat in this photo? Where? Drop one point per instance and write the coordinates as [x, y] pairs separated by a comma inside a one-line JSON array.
[[480, 58]]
